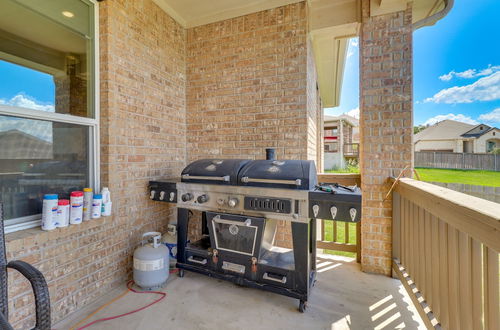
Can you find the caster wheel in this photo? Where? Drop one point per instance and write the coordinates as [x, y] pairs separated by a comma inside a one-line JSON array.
[[181, 272], [302, 306]]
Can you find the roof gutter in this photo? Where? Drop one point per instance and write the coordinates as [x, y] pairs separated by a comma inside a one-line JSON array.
[[430, 20]]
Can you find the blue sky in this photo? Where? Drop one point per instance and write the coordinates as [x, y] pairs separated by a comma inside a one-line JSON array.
[[456, 67], [20, 86]]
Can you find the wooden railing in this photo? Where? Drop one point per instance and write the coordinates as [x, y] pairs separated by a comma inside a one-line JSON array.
[[446, 252], [351, 149], [331, 232]]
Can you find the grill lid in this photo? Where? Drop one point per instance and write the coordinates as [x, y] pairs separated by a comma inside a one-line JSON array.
[[213, 171], [290, 174]]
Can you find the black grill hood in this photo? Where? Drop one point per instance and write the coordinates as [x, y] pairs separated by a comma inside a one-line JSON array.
[[290, 174], [287, 174], [214, 171]]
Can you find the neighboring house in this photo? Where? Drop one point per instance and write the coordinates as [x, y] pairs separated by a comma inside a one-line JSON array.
[[341, 139], [455, 136]]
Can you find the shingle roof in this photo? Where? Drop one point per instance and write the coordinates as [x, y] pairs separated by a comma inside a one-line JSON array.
[[444, 130]]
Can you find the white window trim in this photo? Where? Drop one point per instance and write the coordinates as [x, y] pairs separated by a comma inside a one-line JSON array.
[[32, 221]]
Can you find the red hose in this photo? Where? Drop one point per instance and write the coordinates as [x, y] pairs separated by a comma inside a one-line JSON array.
[[129, 283]]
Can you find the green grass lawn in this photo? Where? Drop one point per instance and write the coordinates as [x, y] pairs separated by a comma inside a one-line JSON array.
[[481, 178], [344, 170], [340, 236]]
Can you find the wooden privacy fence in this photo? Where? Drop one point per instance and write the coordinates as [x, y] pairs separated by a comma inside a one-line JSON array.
[[446, 252], [466, 161], [336, 229]]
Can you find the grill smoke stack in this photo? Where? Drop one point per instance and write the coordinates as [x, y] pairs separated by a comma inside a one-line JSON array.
[[270, 154]]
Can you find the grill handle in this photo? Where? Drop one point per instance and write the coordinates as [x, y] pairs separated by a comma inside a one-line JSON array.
[[202, 262], [224, 178], [296, 182], [269, 278]]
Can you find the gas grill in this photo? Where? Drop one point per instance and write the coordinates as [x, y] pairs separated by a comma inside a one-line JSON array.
[[241, 203]]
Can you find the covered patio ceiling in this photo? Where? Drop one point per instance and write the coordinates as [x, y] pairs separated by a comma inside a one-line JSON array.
[[332, 23]]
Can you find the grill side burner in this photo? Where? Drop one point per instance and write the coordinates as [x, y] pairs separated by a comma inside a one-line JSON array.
[[241, 202]]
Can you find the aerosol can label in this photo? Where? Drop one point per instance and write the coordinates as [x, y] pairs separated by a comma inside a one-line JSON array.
[[148, 265]]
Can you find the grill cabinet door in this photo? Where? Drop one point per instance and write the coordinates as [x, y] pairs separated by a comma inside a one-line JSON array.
[[235, 235]]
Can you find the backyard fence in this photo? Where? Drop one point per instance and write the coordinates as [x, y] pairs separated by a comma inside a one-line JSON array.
[[465, 161]]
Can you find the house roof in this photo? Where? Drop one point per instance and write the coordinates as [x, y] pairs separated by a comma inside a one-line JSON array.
[[478, 130], [15, 144], [349, 119], [444, 130]]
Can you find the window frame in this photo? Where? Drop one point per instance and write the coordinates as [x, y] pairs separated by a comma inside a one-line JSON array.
[[91, 123]]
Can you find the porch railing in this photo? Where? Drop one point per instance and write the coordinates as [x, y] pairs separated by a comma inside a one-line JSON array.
[[446, 252], [351, 149], [337, 235]]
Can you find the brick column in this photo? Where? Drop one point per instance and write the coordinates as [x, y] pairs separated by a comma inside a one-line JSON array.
[[385, 125]]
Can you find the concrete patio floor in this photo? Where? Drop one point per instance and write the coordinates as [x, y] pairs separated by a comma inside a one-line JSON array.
[[343, 298]]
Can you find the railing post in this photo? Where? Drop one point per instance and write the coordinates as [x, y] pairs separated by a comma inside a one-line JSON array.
[[396, 226]]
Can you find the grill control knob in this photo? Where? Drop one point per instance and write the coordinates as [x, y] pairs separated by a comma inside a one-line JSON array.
[[152, 195], [202, 198], [187, 197], [172, 196], [232, 202], [221, 201], [162, 195]]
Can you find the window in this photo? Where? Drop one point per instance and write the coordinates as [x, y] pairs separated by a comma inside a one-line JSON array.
[[48, 104], [490, 146], [331, 147], [331, 131]]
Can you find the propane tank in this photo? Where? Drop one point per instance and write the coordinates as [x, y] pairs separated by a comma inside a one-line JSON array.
[[170, 240], [151, 262]]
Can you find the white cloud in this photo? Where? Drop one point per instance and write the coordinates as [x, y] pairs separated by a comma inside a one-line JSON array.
[[470, 73], [37, 128], [352, 47], [353, 113], [458, 117], [447, 77], [24, 101], [484, 89], [493, 116]]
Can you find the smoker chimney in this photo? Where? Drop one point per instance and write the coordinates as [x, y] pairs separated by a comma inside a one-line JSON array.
[[270, 154]]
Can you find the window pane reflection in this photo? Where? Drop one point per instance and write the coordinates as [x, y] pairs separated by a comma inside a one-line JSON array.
[[39, 157]]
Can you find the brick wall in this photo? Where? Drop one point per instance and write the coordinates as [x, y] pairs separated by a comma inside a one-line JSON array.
[[385, 125], [247, 86], [169, 96], [142, 138], [314, 110]]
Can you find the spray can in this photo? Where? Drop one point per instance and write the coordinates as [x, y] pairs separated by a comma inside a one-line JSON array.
[[49, 212], [63, 213], [96, 206], [106, 202], [87, 203], [76, 211]]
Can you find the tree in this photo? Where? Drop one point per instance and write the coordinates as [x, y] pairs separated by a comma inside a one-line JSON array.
[[418, 128]]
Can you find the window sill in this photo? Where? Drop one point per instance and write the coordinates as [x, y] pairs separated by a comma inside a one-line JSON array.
[[36, 236]]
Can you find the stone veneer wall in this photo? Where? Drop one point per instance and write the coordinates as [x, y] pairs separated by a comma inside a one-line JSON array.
[[386, 126], [143, 137], [246, 86]]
